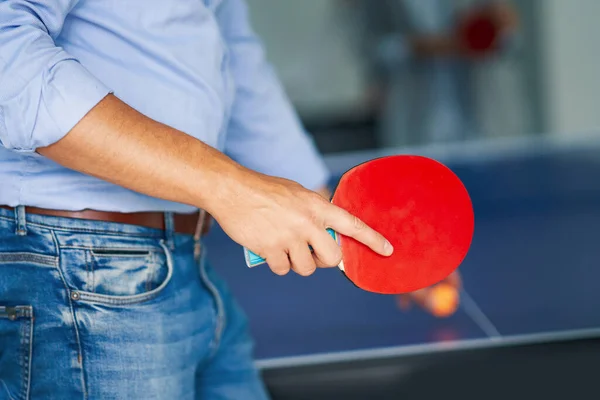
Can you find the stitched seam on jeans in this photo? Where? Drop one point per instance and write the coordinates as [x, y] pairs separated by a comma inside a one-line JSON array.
[[26, 351], [90, 275], [96, 298], [24, 314], [24, 257], [119, 300], [220, 323], [116, 254], [154, 266], [22, 359], [6, 389], [149, 276], [100, 249], [31, 339], [134, 299], [75, 327]]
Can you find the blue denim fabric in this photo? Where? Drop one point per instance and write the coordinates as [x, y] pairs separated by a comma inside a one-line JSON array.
[[94, 310]]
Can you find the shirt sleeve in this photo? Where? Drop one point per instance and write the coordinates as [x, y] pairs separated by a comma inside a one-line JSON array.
[[265, 134], [44, 90]]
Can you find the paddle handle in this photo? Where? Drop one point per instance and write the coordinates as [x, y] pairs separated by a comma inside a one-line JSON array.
[[253, 259]]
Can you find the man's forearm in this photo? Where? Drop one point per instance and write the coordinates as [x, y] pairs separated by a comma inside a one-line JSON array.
[[274, 217], [118, 144]]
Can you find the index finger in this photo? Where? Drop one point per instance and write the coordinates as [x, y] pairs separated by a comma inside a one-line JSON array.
[[350, 225]]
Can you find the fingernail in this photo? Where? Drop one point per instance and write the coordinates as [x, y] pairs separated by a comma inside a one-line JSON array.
[[388, 248]]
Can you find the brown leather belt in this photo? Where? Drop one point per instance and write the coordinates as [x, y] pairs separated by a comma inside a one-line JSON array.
[[184, 223]]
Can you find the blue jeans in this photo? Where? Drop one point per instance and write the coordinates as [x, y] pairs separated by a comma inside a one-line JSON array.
[[101, 310]]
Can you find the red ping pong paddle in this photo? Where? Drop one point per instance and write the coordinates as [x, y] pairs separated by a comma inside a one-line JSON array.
[[420, 206], [479, 34]]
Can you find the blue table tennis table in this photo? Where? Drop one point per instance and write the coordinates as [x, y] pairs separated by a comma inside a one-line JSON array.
[[530, 300]]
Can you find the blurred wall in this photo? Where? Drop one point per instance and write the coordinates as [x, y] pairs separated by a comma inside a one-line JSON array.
[[307, 44], [571, 67]]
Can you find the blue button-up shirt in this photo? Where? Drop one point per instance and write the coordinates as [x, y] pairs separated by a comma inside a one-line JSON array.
[[195, 65]]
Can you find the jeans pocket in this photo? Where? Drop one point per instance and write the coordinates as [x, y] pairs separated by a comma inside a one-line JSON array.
[[16, 340], [117, 276]]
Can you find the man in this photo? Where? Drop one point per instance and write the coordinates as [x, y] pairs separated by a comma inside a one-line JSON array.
[[118, 122], [428, 88]]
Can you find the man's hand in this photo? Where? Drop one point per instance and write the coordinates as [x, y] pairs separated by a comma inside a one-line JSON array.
[[278, 219]]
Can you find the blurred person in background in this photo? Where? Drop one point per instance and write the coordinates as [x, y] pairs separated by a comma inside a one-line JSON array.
[[427, 85]]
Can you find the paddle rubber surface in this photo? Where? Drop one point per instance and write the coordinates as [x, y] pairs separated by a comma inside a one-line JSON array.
[[421, 207]]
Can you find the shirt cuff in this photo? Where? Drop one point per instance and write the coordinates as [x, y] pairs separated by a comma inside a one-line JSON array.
[[306, 168], [312, 173], [297, 160], [70, 92]]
